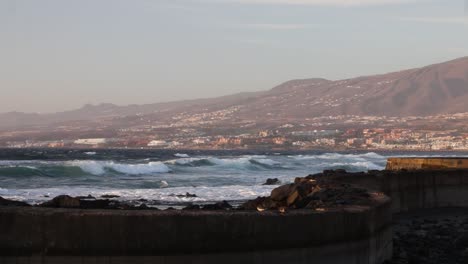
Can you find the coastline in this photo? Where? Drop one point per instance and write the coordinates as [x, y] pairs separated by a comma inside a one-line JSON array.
[[331, 217]]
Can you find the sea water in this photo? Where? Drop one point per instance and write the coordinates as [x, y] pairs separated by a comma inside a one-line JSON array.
[[164, 177]]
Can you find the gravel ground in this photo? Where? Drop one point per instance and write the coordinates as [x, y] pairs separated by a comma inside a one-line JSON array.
[[431, 236]]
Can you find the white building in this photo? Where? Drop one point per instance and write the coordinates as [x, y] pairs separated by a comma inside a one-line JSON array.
[[90, 141], [157, 143]]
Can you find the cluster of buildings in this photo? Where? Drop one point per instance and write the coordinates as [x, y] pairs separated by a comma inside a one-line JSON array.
[[368, 138], [218, 130]]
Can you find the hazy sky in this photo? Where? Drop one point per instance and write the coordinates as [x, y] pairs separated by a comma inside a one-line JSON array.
[[57, 55]]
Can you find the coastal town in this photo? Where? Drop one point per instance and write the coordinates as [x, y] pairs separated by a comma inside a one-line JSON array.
[[218, 130]]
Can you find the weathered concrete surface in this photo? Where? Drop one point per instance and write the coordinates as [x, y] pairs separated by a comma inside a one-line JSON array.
[[413, 189], [426, 163], [44, 235], [376, 249]]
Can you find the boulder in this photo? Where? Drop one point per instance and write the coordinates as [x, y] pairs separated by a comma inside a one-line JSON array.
[[283, 192], [312, 192], [260, 204], [89, 197], [274, 181], [254, 204], [186, 195], [6, 202], [218, 206], [62, 201], [292, 198], [109, 196], [94, 204], [192, 207]]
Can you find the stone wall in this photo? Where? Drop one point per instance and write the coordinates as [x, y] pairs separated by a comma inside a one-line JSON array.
[[45, 235]]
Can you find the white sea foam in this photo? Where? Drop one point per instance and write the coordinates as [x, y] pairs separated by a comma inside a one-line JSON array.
[[203, 193], [247, 162], [136, 169], [99, 167], [184, 161], [181, 155], [89, 166]]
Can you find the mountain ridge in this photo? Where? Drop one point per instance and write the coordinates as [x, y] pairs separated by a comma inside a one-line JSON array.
[[440, 88]]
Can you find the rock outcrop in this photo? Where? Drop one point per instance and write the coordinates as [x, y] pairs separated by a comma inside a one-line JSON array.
[[6, 202], [274, 181], [311, 193]]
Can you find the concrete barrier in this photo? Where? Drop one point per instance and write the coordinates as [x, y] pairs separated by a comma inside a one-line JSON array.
[[349, 235], [426, 189], [396, 164], [414, 189]]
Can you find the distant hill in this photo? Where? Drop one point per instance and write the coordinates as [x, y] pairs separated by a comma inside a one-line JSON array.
[[435, 89]]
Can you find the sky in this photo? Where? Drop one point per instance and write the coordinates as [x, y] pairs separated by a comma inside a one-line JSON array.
[[58, 55]]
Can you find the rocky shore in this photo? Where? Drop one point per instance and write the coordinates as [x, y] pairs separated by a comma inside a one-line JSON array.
[[311, 192], [110, 203]]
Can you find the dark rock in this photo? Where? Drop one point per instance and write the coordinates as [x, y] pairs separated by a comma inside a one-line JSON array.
[[192, 207], [274, 181], [6, 202], [62, 201], [89, 197], [283, 192], [218, 206], [254, 204], [415, 259], [462, 241], [94, 204], [142, 207], [186, 195], [109, 196], [314, 204]]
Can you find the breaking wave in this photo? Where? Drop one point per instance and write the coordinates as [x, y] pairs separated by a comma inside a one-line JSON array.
[[99, 168], [77, 168], [181, 155], [243, 163], [339, 156]]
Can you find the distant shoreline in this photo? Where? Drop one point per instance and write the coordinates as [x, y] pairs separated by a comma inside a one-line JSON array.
[[273, 150]]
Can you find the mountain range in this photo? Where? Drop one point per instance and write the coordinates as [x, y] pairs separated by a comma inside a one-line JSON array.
[[431, 90]]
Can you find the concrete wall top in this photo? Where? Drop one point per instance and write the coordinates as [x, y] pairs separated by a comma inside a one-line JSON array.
[[426, 163]]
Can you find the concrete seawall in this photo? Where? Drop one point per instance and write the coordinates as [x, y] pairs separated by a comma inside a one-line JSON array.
[[414, 189], [350, 235], [396, 164]]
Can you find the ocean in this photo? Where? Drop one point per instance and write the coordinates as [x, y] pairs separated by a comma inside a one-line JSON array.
[[163, 178]]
